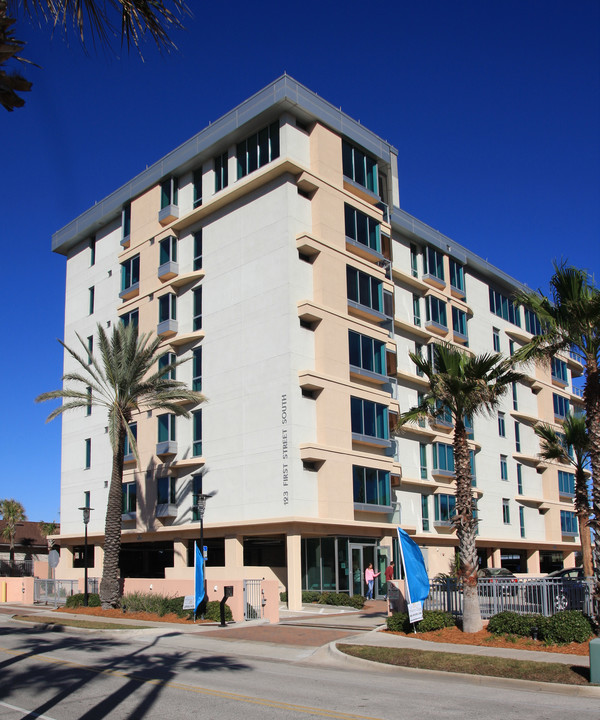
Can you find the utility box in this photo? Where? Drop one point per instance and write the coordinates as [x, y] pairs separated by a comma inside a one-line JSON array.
[[228, 591], [595, 661]]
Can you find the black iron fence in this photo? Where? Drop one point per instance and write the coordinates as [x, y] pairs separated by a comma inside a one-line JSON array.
[[22, 568]]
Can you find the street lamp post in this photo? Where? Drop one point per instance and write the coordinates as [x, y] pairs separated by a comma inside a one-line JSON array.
[[200, 507], [86, 520]]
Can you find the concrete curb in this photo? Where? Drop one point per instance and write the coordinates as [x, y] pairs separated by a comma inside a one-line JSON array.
[[529, 685]]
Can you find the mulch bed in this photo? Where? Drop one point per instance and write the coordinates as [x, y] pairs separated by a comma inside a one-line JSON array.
[[116, 613]]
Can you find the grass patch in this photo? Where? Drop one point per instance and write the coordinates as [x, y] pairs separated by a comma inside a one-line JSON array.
[[68, 622], [472, 664]]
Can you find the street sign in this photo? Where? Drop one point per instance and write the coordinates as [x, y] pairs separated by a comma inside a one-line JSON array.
[[188, 602], [53, 558]]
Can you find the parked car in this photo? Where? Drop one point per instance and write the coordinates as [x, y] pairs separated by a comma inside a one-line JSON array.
[[505, 582], [575, 573], [571, 592]]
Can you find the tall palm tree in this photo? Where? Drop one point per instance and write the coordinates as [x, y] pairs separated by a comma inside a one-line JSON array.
[[555, 446], [125, 381], [463, 385], [12, 513], [570, 320]]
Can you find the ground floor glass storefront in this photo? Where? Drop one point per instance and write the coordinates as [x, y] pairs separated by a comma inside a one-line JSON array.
[[338, 564]]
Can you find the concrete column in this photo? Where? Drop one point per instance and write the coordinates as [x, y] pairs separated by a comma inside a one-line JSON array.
[[533, 562], [179, 554], [496, 557], [569, 559], [234, 552], [294, 572]]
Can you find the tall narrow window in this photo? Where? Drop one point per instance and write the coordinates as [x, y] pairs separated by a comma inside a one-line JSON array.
[[433, 263], [168, 192], [88, 453], [197, 370], [128, 454], [522, 520], [130, 275], [166, 491], [129, 498], [511, 347], [167, 307], [517, 437], [221, 176], [86, 499], [88, 407], [505, 511], [423, 460], [501, 424], [92, 293], [126, 221], [92, 252], [197, 319], [166, 360], [425, 512], [519, 479], [90, 348], [418, 351], [496, 339], [457, 277], [503, 467], [198, 250], [515, 397], [197, 182], [168, 250], [166, 428], [197, 429], [359, 166], [414, 260], [417, 310]]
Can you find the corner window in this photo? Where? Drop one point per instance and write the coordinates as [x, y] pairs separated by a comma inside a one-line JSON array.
[[168, 250], [459, 322], [129, 498], [559, 371], [433, 263], [444, 507], [166, 360], [257, 150], [166, 428], [221, 177], [568, 523], [362, 228], [366, 353], [364, 289], [131, 318], [167, 307], [130, 274], [561, 406], [369, 418], [126, 220], [128, 450], [92, 252], [532, 322], [371, 486], [443, 458], [359, 167], [169, 192], [435, 311], [165, 491], [502, 306], [457, 277]]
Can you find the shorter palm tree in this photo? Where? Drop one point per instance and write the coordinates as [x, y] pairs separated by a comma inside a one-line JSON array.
[[12, 513], [125, 381], [556, 446], [463, 385]]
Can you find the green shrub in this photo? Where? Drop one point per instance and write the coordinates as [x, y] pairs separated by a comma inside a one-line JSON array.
[[432, 620], [569, 626], [75, 601], [332, 598], [283, 597], [213, 611], [310, 596], [510, 623]]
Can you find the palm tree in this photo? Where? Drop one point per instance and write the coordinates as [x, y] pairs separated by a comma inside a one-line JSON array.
[[555, 446], [123, 383], [570, 321], [133, 20], [12, 513], [462, 385]]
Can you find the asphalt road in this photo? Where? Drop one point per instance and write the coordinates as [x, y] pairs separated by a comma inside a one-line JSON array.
[[70, 675]]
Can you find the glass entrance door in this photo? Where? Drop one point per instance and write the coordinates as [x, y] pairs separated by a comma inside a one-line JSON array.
[[383, 560], [360, 557]]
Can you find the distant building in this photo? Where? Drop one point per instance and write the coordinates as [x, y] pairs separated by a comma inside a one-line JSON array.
[[270, 251], [30, 545]]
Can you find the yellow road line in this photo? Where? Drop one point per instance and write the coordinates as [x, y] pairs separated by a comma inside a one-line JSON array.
[[263, 702]]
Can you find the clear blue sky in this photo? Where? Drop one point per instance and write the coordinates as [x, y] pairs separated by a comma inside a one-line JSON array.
[[494, 107]]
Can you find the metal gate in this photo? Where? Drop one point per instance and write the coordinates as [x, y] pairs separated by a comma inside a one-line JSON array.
[[252, 600], [54, 592]]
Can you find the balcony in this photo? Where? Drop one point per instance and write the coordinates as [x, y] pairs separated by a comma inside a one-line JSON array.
[[166, 447], [167, 328], [125, 241], [166, 510], [436, 328], [130, 292], [168, 270], [168, 214]]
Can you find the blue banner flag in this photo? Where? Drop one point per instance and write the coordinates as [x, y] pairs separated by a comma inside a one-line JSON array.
[[198, 577], [415, 572]]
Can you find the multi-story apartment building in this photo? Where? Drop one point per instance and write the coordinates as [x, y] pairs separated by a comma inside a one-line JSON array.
[[270, 250]]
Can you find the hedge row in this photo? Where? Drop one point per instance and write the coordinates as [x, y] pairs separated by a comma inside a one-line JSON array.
[[432, 620], [328, 598], [565, 627]]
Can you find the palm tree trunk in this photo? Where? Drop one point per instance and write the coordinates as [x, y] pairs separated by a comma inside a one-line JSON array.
[[466, 527], [582, 508], [591, 396], [110, 587]]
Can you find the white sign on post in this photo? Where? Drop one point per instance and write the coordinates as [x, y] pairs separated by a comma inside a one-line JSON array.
[[188, 602], [415, 611]]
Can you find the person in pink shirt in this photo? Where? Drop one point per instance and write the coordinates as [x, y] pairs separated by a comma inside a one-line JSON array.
[[370, 576]]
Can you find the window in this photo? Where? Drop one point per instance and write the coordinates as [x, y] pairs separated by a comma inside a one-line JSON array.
[[505, 511], [166, 360], [168, 192], [197, 319], [371, 486], [257, 150], [366, 353], [505, 308], [369, 418], [519, 479], [425, 512], [459, 322], [444, 507], [532, 322], [445, 414], [128, 447], [196, 490], [423, 460], [522, 520], [90, 348], [131, 317], [168, 250], [511, 347], [197, 182], [503, 467], [92, 292], [566, 483], [414, 260], [559, 371], [362, 228], [165, 491], [457, 276], [417, 310], [88, 453], [358, 166], [130, 274], [80, 560], [197, 370], [364, 289], [496, 339], [472, 466], [435, 312], [561, 406], [197, 429], [468, 421], [88, 407], [501, 424], [443, 458], [433, 263], [126, 220], [166, 427], [568, 523], [92, 252], [167, 307], [198, 250], [221, 179], [517, 437], [515, 396], [129, 498], [86, 499]]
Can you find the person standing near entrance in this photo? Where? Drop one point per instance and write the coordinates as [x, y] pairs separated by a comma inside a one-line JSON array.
[[389, 576], [370, 576]]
